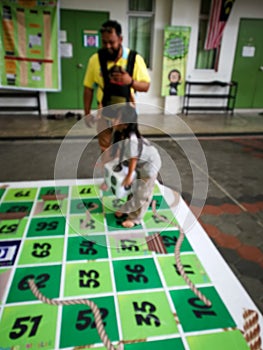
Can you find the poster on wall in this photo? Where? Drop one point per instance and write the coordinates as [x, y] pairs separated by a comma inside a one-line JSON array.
[[29, 51], [176, 44], [90, 38]]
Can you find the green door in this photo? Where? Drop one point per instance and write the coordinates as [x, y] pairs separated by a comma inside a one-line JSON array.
[[73, 24], [248, 64]]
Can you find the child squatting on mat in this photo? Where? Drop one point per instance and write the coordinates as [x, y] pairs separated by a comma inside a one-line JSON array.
[[141, 157]]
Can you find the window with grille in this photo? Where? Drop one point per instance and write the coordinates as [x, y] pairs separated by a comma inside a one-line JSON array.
[[141, 24]]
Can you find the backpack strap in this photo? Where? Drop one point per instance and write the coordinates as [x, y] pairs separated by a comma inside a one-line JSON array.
[[103, 66], [131, 62]]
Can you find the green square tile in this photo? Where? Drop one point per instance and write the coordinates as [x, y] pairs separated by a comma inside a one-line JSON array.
[[145, 315], [153, 222], [20, 194], [84, 278], [112, 204], [78, 224], [12, 228], [87, 248], [194, 315], [51, 208], [111, 192], [41, 251], [28, 326], [47, 278], [136, 274], [156, 189], [52, 190], [126, 245], [85, 191], [80, 206], [160, 202], [168, 344], [192, 267], [115, 224], [78, 327], [229, 340], [2, 191], [170, 238], [47, 226], [16, 207], [108, 193]]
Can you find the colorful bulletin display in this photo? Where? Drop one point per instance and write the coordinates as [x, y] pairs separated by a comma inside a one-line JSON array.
[[29, 55], [64, 236], [176, 43]]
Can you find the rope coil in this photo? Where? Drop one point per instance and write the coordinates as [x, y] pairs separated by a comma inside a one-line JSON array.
[[94, 308], [180, 267]]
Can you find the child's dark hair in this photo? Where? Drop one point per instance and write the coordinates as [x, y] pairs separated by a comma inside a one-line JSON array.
[[126, 115]]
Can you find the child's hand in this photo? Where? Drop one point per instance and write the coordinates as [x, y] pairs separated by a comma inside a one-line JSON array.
[[127, 181], [122, 77]]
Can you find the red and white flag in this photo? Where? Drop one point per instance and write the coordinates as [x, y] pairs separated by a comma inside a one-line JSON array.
[[219, 13]]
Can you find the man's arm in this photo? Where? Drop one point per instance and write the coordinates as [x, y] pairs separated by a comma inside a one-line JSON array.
[[126, 79], [140, 86], [88, 95], [141, 79]]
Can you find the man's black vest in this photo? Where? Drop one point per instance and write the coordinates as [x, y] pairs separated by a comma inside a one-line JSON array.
[[113, 92]]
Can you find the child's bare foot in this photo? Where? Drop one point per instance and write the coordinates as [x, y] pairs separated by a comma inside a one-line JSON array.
[[128, 224], [119, 214], [104, 186]]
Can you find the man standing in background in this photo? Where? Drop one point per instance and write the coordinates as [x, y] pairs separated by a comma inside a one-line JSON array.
[[115, 83]]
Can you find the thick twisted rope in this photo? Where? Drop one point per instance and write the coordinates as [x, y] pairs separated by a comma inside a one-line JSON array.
[[94, 308], [180, 267], [252, 329]]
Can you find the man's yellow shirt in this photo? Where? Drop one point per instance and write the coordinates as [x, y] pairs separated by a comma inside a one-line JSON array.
[[93, 78]]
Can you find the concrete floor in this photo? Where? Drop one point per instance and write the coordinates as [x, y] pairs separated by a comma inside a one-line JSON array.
[[214, 161], [33, 126]]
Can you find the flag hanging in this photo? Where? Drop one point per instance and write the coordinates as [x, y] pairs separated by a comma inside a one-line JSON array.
[[219, 13]]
